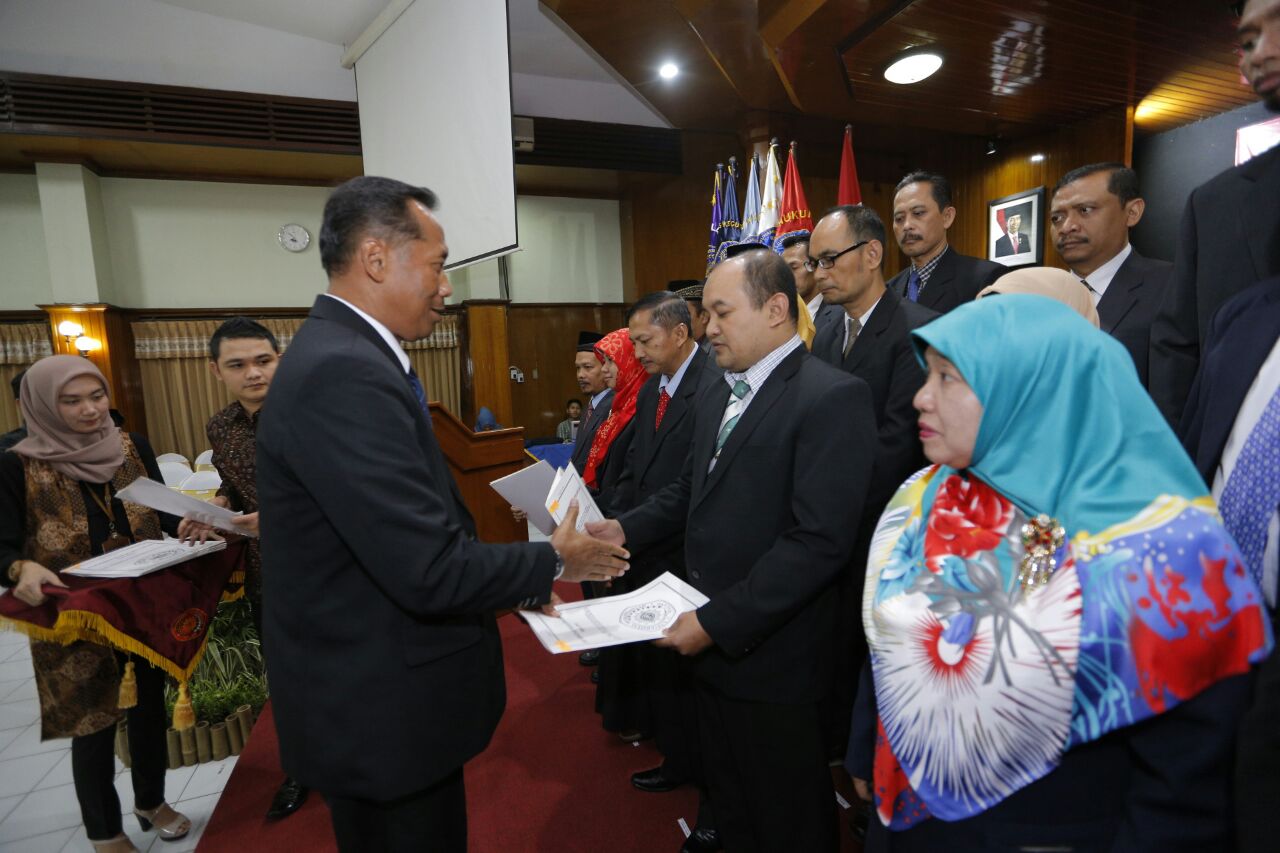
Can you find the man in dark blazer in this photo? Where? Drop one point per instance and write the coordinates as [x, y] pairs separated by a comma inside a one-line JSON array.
[[1239, 373], [1230, 234], [939, 277], [873, 343], [1092, 209], [386, 665], [769, 501], [795, 251], [679, 370], [588, 369]]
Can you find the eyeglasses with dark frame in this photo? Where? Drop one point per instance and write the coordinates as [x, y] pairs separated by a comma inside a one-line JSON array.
[[830, 260]]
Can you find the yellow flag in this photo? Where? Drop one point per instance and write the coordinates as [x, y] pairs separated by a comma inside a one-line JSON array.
[[804, 325]]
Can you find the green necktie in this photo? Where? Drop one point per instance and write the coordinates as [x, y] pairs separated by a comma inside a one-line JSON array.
[[740, 390]]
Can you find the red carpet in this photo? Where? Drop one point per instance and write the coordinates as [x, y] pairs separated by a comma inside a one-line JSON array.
[[552, 780]]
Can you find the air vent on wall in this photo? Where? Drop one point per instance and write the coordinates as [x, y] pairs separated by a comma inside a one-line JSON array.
[[593, 145]]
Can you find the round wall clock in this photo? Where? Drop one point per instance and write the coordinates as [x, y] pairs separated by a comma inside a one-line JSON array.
[[294, 237]]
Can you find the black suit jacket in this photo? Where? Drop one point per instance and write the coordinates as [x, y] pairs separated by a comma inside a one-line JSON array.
[[656, 459], [587, 431], [956, 279], [1239, 339], [770, 529], [386, 666], [827, 315], [1129, 306], [1229, 239], [1004, 246], [882, 357]]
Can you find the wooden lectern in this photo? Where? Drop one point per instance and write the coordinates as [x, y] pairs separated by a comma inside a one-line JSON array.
[[477, 459]]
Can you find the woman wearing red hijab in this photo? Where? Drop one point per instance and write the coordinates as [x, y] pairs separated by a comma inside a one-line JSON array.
[[624, 374]]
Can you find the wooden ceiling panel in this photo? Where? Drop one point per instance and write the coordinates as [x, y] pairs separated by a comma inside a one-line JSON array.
[[1011, 68]]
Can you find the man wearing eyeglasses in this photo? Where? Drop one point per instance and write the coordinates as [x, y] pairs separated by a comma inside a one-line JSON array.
[[846, 255]]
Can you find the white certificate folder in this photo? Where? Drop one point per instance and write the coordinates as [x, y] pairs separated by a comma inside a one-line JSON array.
[[614, 620]]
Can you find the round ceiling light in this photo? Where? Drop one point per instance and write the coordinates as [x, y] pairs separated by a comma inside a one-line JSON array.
[[913, 68], [668, 70]]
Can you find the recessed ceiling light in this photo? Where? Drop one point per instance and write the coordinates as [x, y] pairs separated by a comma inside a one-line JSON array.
[[668, 70], [913, 68], [1037, 158]]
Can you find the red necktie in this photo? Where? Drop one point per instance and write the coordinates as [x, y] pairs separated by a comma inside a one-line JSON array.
[[663, 399]]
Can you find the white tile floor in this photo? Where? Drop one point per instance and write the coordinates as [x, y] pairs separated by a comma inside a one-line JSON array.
[[38, 809]]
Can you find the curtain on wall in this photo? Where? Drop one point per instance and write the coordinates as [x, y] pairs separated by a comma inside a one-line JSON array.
[[181, 393], [21, 345]]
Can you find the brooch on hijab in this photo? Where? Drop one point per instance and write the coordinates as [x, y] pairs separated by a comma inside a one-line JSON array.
[[1042, 536]]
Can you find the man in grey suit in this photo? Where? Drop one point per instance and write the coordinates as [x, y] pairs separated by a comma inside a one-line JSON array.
[[795, 251], [939, 277], [1092, 210], [1230, 235]]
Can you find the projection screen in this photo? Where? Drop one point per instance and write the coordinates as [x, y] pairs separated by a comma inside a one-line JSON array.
[[434, 94]]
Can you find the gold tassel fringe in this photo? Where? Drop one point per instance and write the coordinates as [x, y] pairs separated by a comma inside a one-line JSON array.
[[128, 688], [184, 716]]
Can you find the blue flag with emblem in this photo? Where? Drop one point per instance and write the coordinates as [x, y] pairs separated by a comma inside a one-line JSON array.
[[717, 208]]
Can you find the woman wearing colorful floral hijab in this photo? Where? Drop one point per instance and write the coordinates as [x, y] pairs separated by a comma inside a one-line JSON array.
[[1059, 624]]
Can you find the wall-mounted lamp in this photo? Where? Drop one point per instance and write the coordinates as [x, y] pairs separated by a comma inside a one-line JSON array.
[[70, 330], [86, 344], [991, 147], [1037, 158]]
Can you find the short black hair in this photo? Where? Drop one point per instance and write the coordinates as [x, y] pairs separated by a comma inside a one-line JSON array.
[[571, 401], [16, 384], [767, 273], [940, 185], [862, 222], [240, 328], [668, 310], [1122, 181], [367, 205], [795, 240]]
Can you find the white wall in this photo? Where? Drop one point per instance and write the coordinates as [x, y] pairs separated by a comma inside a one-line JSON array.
[[24, 265], [151, 42], [188, 244], [571, 251]]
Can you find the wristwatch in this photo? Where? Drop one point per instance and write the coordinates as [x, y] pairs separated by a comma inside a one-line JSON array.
[[559, 564], [15, 570]]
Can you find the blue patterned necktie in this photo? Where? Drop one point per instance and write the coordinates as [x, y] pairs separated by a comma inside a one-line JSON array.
[[420, 393], [740, 390], [913, 285], [1252, 493]]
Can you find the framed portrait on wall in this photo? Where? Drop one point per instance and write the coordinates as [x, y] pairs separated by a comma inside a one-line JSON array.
[[1015, 228]]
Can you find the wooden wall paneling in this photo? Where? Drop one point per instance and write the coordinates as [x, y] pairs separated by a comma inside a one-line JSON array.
[[543, 341], [116, 358], [487, 360]]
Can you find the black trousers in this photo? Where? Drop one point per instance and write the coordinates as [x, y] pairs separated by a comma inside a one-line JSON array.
[[433, 819], [766, 768], [93, 766], [669, 679], [1257, 775]]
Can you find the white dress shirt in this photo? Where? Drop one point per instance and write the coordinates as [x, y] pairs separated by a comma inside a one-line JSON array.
[[672, 382], [1255, 403], [814, 304], [756, 375], [382, 330], [1100, 279]]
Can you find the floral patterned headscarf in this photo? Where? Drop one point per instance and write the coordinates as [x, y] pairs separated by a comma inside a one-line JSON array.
[[1074, 580]]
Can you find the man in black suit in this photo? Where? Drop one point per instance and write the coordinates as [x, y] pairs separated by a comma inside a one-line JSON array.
[[795, 251], [588, 369], [939, 277], [1013, 242], [1230, 234], [1239, 377], [1092, 210], [769, 501], [386, 665], [873, 343]]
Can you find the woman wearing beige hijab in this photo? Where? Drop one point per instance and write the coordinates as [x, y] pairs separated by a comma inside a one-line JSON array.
[[1047, 281], [58, 506]]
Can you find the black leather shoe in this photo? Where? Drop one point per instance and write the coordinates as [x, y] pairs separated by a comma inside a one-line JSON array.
[[287, 800], [655, 781], [702, 841], [590, 657]]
